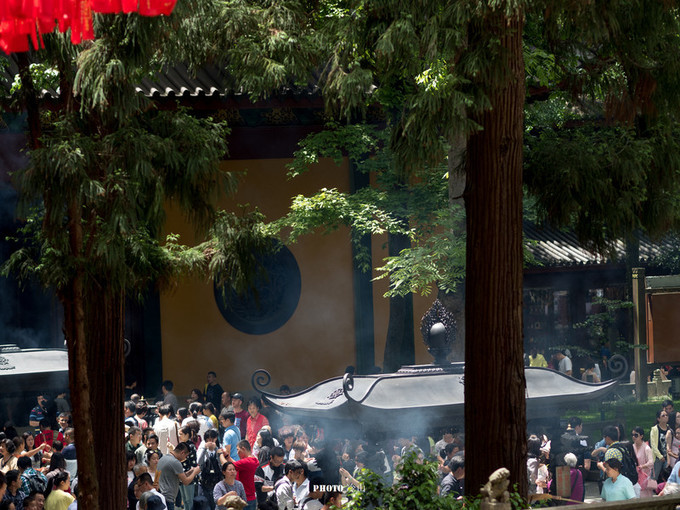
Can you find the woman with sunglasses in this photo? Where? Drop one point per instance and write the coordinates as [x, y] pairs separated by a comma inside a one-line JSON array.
[[645, 459]]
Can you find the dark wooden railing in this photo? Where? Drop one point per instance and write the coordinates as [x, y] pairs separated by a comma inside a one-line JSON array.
[[655, 503]]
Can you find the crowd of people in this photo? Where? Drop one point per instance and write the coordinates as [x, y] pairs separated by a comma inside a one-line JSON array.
[[36, 470], [203, 453], [642, 467], [561, 361], [217, 446]]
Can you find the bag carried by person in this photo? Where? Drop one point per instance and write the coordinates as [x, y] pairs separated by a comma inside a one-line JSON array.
[[643, 478], [200, 501], [628, 465], [211, 474], [37, 483], [664, 474]]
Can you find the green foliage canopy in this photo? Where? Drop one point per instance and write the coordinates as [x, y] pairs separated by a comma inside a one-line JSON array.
[[418, 210], [601, 153]]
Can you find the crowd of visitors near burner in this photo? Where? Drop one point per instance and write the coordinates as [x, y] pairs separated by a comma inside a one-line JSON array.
[[218, 447], [640, 467], [215, 447]]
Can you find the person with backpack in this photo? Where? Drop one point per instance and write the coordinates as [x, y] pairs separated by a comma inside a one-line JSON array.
[[283, 488], [622, 451], [31, 480], [209, 460]]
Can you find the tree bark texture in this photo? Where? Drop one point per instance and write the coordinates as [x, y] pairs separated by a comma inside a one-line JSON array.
[[93, 327], [105, 326], [399, 346], [73, 299], [495, 408]]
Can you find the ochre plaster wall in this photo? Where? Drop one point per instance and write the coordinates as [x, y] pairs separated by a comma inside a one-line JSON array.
[[318, 341], [381, 308]]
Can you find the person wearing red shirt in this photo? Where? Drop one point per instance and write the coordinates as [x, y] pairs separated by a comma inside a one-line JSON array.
[[255, 421], [46, 433], [245, 468]]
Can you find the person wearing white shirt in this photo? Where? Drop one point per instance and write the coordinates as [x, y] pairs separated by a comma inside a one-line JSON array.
[[166, 429], [301, 486], [196, 413], [564, 363], [284, 486]]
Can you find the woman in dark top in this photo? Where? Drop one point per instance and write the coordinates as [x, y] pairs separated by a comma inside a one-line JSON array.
[[57, 465], [187, 436]]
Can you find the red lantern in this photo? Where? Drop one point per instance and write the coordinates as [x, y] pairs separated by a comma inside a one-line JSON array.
[[129, 5], [156, 7], [21, 20], [106, 6]]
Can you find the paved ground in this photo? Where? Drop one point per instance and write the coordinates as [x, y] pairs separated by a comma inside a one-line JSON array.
[[592, 493]]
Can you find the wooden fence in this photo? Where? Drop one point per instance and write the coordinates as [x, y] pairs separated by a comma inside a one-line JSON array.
[[656, 503]]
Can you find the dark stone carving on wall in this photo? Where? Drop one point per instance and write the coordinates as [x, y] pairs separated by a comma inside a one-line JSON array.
[[272, 303]]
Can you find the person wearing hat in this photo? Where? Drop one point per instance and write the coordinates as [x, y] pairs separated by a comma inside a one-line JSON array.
[[240, 413]]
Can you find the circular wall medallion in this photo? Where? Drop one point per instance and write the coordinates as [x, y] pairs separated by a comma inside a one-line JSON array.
[[272, 303]]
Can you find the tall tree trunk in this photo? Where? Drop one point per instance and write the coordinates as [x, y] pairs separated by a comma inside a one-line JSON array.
[[105, 326], [399, 346], [73, 299], [93, 327], [495, 410]]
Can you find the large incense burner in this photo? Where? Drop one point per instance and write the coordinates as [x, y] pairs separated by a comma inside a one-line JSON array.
[[424, 395]]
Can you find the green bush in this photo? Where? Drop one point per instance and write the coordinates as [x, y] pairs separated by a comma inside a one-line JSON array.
[[416, 489]]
